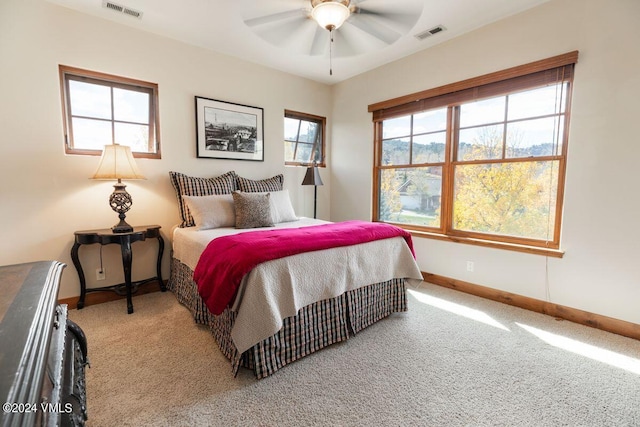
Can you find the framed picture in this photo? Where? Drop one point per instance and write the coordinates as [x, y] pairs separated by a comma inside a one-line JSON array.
[[225, 130]]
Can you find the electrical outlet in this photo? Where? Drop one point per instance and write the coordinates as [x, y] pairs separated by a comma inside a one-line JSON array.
[[101, 274], [470, 266]]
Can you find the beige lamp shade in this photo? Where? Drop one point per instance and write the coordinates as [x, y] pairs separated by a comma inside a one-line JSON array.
[[117, 162]]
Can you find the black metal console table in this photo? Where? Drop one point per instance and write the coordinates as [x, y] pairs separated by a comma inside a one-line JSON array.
[[107, 236]]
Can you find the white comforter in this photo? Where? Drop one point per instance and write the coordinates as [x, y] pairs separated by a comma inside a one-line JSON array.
[[277, 289]]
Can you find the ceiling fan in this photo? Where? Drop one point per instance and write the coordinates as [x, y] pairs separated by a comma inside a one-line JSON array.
[[336, 27]]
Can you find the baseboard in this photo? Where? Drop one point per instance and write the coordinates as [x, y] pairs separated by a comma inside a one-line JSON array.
[[609, 324], [93, 298]]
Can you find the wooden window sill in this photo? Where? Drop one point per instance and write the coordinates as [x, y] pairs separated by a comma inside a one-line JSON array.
[[556, 253]]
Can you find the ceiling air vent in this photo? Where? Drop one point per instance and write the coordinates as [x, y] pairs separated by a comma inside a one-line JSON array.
[[435, 30], [121, 9]]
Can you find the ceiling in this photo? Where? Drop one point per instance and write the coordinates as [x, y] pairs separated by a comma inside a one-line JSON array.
[[219, 25]]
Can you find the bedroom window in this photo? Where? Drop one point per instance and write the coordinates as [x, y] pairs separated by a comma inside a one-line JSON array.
[[481, 161], [304, 139], [101, 109]]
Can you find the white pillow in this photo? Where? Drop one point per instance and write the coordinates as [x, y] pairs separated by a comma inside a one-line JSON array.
[[212, 211], [281, 208]]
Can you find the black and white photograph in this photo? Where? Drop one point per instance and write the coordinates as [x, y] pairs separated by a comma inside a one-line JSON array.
[[229, 131]]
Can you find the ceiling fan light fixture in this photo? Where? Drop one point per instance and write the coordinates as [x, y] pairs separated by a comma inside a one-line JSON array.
[[330, 14]]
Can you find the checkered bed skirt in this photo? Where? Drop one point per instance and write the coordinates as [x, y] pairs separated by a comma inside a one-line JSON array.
[[316, 326]]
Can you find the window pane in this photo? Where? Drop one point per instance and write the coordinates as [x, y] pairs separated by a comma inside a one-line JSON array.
[[493, 147], [411, 196], [531, 138], [512, 199], [430, 121], [308, 131], [289, 148], [313, 131], [90, 100], [304, 153], [395, 152], [104, 107], [429, 148], [135, 136], [130, 106], [393, 128], [317, 155], [482, 112], [291, 129], [303, 138], [91, 134], [481, 143], [537, 102]]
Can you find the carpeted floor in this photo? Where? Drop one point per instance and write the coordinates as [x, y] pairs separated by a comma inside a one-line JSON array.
[[452, 360]]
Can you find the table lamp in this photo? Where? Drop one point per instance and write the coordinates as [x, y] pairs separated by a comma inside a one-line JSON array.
[[117, 163]]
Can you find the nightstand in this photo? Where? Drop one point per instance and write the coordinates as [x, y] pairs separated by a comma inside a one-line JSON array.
[[106, 237]]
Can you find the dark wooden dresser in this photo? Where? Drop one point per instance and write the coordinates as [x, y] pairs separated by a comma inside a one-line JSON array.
[[42, 353]]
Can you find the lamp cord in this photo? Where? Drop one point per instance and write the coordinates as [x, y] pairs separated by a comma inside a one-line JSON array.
[[101, 268]]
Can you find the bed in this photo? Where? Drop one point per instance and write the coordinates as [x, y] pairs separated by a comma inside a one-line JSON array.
[[287, 308]]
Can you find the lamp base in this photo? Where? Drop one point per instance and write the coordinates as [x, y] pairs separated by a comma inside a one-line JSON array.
[[122, 227], [121, 202]]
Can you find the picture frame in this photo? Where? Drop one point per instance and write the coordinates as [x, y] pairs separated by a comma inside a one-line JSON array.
[[225, 130]]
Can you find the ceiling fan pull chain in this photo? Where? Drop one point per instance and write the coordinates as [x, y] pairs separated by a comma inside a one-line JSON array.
[[331, 52]]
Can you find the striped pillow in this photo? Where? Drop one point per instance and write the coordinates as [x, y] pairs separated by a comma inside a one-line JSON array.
[[261, 186], [192, 186]]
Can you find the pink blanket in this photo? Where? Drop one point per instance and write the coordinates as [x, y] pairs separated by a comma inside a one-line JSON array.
[[227, 259]]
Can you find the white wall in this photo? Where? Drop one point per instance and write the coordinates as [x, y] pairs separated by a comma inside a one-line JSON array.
[[46, 195], [600, 271]]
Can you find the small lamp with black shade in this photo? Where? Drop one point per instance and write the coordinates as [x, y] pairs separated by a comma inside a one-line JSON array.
[[312, 177], [117, 162]]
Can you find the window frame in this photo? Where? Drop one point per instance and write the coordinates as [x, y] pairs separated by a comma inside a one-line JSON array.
[[525, 77], [322, 122], [112, 81]]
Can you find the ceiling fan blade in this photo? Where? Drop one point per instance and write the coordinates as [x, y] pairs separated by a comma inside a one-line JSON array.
[[344, 46], [276, 17], [347, 41], [351, 41], [376, 29], [373, 24], [341, 47], [402, 21], [320, 42], [284, 34]]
